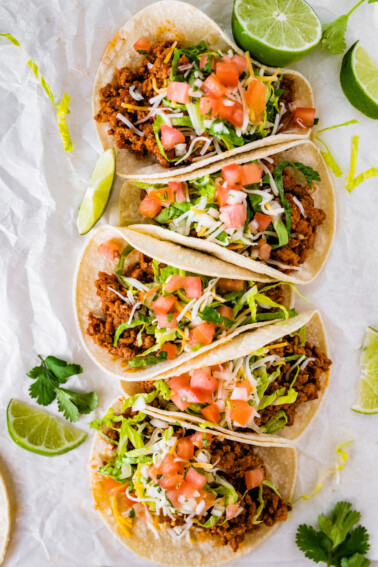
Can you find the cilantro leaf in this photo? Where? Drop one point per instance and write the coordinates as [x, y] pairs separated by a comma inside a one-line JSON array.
[[315, 545], [356, 560], [333, 33], [72, 404], [356, 542], [48, 376]]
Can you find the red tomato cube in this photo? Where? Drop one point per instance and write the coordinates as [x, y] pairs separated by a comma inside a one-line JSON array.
[[172, 481], [164, 304], [255, 96], [304, 117], [176, 383], [253, 478], [178, 187], [170, 137], [232, 111], [227, 73], [165, 323], [169, 466], [240, 411], [241, 63], [142, 44], [204, 61], [178, 92], [234, 216], [251, 173], [213, 87], [232, 173], [203, 334], [185, 448], [170, 349], [193, 287], [195, 478], [263, 221], [201, 379], [208, 106], [211, 413], [199, 437], [176, 399], [150, 207], [110, 249]]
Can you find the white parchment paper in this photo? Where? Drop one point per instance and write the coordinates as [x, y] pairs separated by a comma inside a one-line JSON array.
[[41, 187]]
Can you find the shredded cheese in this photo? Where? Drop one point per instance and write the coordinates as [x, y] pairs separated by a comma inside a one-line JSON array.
[[154, 85], [134, 107], [169, 54], [278, 345], [125, 524]]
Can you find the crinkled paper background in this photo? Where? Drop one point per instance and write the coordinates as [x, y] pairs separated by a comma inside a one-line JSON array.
[[54, 522]]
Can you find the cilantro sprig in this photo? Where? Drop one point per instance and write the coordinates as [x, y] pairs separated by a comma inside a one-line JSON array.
[[333, 33], [48, 376], [338, 542]]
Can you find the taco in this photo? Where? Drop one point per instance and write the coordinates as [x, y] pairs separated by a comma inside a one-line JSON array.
[[144, 306], [173, 91], [180, 496], [271, 211], [269, 381]]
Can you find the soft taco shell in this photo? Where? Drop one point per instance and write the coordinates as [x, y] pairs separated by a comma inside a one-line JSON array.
[[245, 344], [281, 464], [177, 21], [323, 195], [86, 299]]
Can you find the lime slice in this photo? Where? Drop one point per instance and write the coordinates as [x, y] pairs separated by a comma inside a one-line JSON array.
[[40, 432], [276, 32], [359, 80], [367, 388], [98, 192]]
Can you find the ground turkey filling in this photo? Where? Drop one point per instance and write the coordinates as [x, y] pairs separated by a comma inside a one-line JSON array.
[[115, 311], [234, 459], [307, 384], [117, 92], [303, 229]]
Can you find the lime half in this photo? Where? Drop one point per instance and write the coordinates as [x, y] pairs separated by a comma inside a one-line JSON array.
[[98, 192], [367, 388], [359, 80], [40, 432], [276, 32]]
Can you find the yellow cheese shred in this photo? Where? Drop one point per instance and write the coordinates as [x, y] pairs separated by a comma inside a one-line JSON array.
[[125, 524], [169, 54]]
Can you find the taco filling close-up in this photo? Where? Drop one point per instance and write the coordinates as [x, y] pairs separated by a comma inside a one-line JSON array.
[[185, 104], [188, 483], [151, 311], [259, 209], [261, 391]]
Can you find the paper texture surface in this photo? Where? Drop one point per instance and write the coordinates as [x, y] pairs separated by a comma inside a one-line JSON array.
[[41, 188]]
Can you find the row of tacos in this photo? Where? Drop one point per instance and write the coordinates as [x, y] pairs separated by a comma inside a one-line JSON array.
[[190, 303]]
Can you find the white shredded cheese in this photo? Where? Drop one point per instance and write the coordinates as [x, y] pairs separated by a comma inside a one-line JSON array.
[[129, 124]]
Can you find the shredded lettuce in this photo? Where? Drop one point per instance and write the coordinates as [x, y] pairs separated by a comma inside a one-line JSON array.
[[289, 398], [275, 423], [162, 389], [212, 316], [62, 106], [148, 360], [351, 182], [354, 121], [173, 211], [343, 457], [121, 262], [226, 489], [148, 398]]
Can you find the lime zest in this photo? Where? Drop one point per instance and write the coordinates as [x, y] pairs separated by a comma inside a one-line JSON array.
[[62, 106], [327, 155], [351, 181], [343, 457]]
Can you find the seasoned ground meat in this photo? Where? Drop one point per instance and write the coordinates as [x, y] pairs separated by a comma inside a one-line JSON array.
[[116, 312], [303, 230], [307, 383], [153, 69], [234, 459]]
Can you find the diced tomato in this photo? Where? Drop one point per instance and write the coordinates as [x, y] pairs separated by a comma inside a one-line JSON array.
[[170, 137], [181, 404], [232, 111], [227, 73], [228, 284], [176, 383], [253, 478], [199, 437], [169, 466], [164, 304], [203, 334], [304, 117], [234, 216], [172, 481], [225, 311], [172, 496], [241, 63], [150, 207], [245, 384], [195, 478], [174, 283], [240, 411], [208, 106], [255, 96], [142, 44], [195, 396], [209, 499], [251, 173], [201, 379], [112, 486], [193, 287], [178, 187], [185, 448], [110, 249], [222, 195], [187, 490], [264, 251], [170, 349], [213, 87], [153, 472], [204, 61], [165, 194], [231, 510], [178, 92], [211, 413], [165, 323], [232, 173], [263, 221]]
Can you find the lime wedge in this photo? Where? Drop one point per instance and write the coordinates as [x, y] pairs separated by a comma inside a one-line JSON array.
[[40, 432], [98, 192], [276, 32], [359, 80], [367, 387]]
